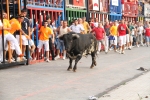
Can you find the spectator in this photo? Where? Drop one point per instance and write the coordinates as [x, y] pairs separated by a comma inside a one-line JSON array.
[[60, 43], [76, 27], [99, 34], [122, 36], [45, 32], [86, 25], [147, 35], [140, 31]]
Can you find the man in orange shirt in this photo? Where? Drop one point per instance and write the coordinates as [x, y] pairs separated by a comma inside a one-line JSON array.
[[45, 32], [16, 26], [7, 36]]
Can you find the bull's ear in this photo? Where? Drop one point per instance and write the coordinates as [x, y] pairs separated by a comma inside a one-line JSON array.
[[61, 37], [75, 36]]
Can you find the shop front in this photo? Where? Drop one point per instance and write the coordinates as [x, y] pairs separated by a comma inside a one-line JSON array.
[[115, 10]]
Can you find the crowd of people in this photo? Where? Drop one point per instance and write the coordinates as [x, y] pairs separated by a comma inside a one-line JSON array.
[[110, 35]]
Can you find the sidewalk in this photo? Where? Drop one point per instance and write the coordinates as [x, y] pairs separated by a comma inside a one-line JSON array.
[[137, 89]]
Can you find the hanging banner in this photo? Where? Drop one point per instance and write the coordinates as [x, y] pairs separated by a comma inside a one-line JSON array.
[[96, 5], [115, 2]]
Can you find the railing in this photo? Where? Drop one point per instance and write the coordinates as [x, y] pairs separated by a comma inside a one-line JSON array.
[[46, 3]]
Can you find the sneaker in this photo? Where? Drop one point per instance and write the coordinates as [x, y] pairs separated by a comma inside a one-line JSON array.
[[30, 58], [64, 57], [13, 60], [122, 52], [116, 51], [47, 60], [129, 48], [57, 57], [138, 46], [23, 58], [97, 52], [21, 55]]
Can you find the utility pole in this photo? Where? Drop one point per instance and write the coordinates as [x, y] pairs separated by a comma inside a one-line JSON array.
[[87, 8], [64, 9]]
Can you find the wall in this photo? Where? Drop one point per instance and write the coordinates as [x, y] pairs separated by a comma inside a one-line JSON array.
[[78, 3]]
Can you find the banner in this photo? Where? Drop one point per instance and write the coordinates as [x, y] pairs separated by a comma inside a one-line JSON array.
[[115, 2], [96, 5]]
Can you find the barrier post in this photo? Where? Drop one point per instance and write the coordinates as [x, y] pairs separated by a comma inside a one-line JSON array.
[[2, 32]]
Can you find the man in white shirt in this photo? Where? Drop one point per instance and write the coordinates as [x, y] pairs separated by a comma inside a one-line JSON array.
[[77, 27], [140, 30], [96, 22]]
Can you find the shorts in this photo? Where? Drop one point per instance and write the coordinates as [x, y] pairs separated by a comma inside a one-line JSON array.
[[24, 39], [122, 40], [127, 38], [114, 42], [45, 43], [147, 38], [12, 46], [31, 43], [60, 44]]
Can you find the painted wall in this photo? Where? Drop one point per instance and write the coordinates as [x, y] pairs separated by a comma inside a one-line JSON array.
[[78, 3]]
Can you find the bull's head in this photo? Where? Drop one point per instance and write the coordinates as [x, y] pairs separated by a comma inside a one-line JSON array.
[[69, 40]]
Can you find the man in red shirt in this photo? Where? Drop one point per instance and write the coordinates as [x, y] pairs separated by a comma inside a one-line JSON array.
[[147, 35], [122, 36], [99, 34]]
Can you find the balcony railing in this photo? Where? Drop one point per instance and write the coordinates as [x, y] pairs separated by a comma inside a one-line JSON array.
[[46, 3]]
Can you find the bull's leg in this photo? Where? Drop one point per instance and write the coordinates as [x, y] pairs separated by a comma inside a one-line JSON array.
[[93, 59], [76, 61], [70, 64]]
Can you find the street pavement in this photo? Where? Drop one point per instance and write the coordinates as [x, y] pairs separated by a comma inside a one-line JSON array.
[[136, 89], [52, 81]]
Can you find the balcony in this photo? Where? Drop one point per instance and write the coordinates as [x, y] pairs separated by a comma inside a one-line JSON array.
[[53, 4]]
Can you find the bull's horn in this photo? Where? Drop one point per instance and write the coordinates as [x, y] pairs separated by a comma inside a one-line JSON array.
[[75, 35]]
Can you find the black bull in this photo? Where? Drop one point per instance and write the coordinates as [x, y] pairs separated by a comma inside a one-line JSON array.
[[78, 45]]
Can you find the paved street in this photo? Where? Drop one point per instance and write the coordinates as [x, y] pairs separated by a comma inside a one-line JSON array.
[[52, 81]]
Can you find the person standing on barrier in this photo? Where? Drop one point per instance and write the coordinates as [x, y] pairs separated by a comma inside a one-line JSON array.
[[60, 44], [51, 44], [44, 34], [8, 36], [15, 27], [26, 28]]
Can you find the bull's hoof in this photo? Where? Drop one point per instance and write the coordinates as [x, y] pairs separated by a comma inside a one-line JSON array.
[[95, 63], [74, 70], [69, 69], [92, 66]]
